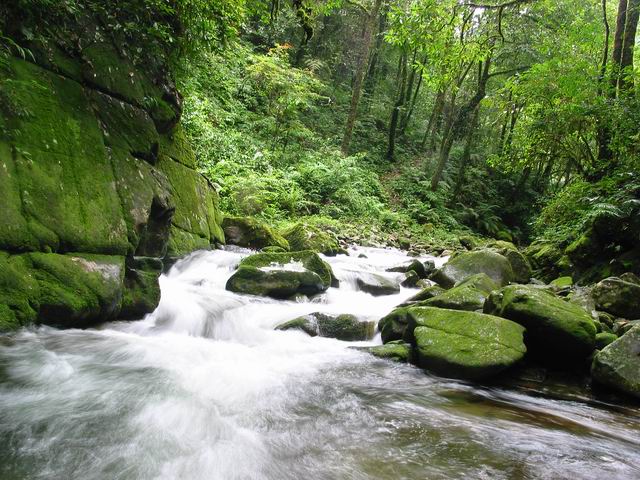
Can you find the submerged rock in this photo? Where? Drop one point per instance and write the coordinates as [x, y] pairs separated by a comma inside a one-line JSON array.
[[342, 327], [377, 285], [281, 275], [557, 331], [410, 279], [618, 364], [460, 344], [251, 233], [466, 264], [619, 297], [397, 351]]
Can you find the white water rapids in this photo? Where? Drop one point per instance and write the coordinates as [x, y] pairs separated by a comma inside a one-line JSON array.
[[205, 388]]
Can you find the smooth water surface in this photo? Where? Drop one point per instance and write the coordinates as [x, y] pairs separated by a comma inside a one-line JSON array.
[[205, 388]]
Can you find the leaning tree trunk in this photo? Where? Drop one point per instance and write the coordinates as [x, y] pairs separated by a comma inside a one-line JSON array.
[[361, 69]]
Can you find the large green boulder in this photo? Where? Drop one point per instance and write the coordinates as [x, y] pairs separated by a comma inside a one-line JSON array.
[[342, 327], [281, 275], [302, 236], [618, 364], [618, 297], [466, 264], [557, 331], [251, 233], [77, 290], [470, 294], [465, 345], [519, 264]]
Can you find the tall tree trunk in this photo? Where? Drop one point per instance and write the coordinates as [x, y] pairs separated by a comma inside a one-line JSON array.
[[361, 69], [371, 78], [395, 113], [626, 59], [460, 124], [603, 134], [412, 105], [466, 156], [618, 40], [434, 119]]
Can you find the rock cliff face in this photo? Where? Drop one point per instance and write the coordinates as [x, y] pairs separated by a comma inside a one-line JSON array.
[[97, 186]]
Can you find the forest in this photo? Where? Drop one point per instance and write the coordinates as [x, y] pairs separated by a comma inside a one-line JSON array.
[[322, 239]]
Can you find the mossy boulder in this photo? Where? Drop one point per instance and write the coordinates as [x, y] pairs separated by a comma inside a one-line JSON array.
[[425, 294], [393, 327], [605, 338], [410, 280], [19, 293], [397, 351], [377, 285], [618, 364], [618, 297], [251, 233], [465, 345], [557, 331], [466, 264], [469, 295], [342, 327], [302, 236], [141, 288], [519, 264], [281, 275], [77, 290], [413, 266], [546, 259]]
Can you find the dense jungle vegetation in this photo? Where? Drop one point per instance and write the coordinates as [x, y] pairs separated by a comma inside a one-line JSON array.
[[405, 121]]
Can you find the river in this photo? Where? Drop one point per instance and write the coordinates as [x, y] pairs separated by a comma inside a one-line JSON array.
[[205, 388]]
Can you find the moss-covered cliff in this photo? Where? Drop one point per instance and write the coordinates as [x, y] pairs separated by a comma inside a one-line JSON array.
[[97, 184]]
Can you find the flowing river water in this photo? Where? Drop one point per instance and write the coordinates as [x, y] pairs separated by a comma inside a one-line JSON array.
[[205, 388]]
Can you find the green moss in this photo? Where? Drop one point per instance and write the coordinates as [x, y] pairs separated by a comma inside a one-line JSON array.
[[126, 127], [395, 351], [60, 162], [176, 146], [562, 282], [302, 236], [141, 288], [345, 327], [464, 344], [279, 284], [307, 324], [394, 325], [251, 233], [605, 338], [557, 330], [77, 290], [19, 293], [463, 297], [466, 264], [618, 364], [181, 242], [310, 260], [197, 210]]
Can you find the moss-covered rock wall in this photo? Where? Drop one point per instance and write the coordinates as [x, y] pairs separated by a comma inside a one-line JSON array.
[[97, 185]]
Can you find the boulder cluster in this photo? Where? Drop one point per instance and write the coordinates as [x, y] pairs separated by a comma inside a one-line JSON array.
[[477, 316]]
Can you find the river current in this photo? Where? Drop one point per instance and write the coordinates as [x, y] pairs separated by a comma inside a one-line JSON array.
[[205, 388]]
